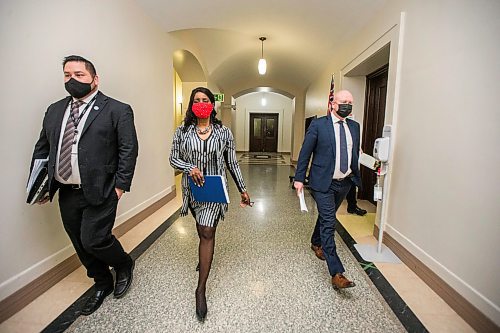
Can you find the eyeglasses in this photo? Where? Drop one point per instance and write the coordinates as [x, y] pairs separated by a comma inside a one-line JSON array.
[[244, 204]]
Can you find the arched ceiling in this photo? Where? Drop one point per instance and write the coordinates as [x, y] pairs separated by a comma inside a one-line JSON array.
[[263, 89], [188, 67], [302, 36]]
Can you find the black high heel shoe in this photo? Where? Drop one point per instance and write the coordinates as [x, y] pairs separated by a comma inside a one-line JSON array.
[[201, 306]]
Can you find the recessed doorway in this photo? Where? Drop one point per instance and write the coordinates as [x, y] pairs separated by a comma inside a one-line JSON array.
[[264, 132]]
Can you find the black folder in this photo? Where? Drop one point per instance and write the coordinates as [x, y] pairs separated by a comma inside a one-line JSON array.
[[38, 184], [213, 190]]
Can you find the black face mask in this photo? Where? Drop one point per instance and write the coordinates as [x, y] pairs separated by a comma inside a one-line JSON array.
[[344, 110], [77, 89]]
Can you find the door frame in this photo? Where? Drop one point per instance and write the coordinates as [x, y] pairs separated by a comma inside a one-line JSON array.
[[263, 115], [368, 177], [281, 120], [394, 37]]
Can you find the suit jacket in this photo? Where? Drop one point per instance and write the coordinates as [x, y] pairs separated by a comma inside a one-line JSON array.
[[107, 150], [320, 142]]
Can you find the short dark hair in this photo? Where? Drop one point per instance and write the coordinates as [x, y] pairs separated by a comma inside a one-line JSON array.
[[88, 65]]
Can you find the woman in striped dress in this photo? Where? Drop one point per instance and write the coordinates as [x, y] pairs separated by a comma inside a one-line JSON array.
[[203, 146]]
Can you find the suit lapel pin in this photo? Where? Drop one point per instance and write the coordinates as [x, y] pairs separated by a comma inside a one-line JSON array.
[[96, 108]]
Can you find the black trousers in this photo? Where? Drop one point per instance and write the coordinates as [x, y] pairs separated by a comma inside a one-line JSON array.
[[351, 197], [89, 229]]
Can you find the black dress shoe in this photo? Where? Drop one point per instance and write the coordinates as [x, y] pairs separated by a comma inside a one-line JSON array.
[[201, 305], [94, 302], [356, 210], [123, 280]]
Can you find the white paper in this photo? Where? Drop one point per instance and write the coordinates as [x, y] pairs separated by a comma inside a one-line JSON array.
[[368, 161], [303, 207], [38, 164]]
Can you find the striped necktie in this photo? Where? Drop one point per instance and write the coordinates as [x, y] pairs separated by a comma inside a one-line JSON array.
[[70, 133]]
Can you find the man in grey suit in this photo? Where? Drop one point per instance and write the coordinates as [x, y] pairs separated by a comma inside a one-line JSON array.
[[91, 143], [333, 142]]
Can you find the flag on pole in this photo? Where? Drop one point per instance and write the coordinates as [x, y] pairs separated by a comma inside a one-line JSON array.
[[330, 96]]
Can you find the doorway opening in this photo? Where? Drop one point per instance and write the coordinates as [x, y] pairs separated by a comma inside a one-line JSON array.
[[373, 124], [264, 132]]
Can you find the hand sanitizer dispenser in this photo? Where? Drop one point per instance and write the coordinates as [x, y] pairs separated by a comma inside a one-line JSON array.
[[381, 149]]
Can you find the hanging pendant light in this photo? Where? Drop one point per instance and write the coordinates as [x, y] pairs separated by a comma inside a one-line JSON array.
[[262, 62]]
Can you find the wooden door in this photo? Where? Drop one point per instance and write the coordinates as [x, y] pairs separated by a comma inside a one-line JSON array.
[[373, 124], [264, 132]]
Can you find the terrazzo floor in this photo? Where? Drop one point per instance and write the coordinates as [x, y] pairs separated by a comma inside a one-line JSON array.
[[416, 305], [264, 276], [264, 158]]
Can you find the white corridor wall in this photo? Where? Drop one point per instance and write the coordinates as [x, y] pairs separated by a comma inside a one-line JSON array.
[[252, 103], [133, 58]]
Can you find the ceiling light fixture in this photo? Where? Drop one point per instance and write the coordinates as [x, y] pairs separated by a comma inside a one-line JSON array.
[[262, 62]]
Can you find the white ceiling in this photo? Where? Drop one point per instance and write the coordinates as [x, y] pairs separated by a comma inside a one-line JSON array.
[[301, 36]]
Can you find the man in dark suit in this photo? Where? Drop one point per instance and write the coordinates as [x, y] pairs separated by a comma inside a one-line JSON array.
[[333, 141], [91, 143]]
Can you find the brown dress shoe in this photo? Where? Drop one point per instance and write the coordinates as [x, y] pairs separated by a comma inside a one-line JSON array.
[[318, 251], [339, 281]]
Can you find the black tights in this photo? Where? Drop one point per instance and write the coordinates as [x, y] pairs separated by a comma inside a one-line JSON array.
[[205, 253]]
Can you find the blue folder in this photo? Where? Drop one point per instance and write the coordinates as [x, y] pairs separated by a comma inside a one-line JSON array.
[[213, 190]]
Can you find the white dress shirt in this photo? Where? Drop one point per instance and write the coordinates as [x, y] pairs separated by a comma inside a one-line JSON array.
[[74, 178], [337, 174]]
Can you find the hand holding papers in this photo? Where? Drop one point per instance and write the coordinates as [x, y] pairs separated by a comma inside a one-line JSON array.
[[303, 207], [368, 161], [299, 187], [38, 185], [213, 190]]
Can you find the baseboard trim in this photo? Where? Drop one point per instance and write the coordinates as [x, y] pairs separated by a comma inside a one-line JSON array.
[[475, 318], [137, 218], [18, 300]]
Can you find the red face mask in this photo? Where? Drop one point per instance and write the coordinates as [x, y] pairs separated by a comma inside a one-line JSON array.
[[202, 110]]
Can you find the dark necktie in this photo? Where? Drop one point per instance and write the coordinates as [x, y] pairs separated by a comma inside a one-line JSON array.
[[70, 133], [343, 148]]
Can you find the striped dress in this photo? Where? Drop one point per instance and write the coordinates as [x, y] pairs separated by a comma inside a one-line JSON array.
[[211, 156]]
